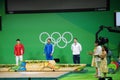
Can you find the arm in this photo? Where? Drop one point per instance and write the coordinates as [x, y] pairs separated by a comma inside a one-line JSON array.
[[103, 55], [52, 50], [22, 49]]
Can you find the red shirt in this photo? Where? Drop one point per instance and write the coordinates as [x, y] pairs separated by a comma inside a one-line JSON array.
[[18, 49]]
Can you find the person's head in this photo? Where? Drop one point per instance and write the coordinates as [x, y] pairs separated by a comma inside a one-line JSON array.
[[96, 43], [18, 41], [104, 48], [48, 40], [75, 40]]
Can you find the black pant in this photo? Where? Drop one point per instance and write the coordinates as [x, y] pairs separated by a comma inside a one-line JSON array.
[[76, 59]]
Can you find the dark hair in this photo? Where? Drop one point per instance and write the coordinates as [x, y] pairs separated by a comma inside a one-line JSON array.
[[106, 49], [17, 39], [75, 38], [49, 39]]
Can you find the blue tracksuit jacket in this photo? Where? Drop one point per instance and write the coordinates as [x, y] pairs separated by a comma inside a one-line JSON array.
[[48, 50]]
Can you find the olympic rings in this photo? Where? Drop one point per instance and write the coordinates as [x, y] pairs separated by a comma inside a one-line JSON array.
[[69, 34], [64, 45], [56, 41], [43, 33], [53, 39]]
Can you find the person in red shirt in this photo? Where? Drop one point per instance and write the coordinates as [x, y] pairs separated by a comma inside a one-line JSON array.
[[18, 51]]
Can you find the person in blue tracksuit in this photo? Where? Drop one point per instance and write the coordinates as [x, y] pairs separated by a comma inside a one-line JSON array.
[[48, 50]]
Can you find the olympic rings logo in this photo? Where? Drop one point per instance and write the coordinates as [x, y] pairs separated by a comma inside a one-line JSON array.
[[56, 41]]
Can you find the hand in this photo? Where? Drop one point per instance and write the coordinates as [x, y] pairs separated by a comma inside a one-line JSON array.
[[51, 54], [90, 53], [21, 51]]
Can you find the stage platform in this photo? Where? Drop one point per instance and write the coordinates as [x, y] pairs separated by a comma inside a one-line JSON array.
[[38, 70], [31, 75]]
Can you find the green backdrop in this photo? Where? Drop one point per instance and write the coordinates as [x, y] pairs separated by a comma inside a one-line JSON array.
[[28, 27]]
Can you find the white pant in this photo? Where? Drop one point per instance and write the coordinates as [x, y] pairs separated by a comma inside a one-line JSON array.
[[19, 58]]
